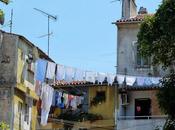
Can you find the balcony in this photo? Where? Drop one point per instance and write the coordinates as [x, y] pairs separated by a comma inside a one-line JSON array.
[[141, 122]]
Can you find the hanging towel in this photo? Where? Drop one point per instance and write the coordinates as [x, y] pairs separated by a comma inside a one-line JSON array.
[[155, 80], [44, 117], [140, 81], [120, 79], [46, 98], [130, 80], [65, 99], [110, 78], [147, 81], [91, 76], [101, 77], [69, 74], [79, 75], [50, 74], [60, 72], [41, 69]]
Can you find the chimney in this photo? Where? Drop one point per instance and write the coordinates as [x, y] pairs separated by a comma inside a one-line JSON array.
[[129, 8], [142, 10]]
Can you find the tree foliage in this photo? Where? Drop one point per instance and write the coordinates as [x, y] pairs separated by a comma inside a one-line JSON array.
[[5, 1], [156, 37], [166, 95], [4, 126]]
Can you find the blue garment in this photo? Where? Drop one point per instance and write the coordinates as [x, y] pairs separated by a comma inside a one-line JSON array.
[[54, 99], [58, 100], [41, 69]]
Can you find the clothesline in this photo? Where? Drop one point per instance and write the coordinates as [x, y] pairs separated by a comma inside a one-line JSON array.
[[56, 72], [46, 69]]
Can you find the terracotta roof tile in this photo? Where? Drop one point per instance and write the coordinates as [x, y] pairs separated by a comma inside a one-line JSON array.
[[138, 18], [75, 83]]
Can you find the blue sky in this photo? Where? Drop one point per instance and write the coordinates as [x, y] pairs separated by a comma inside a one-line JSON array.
[[83, 36]]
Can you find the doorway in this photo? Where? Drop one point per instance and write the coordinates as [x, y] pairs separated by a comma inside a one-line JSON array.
[[142, 108]]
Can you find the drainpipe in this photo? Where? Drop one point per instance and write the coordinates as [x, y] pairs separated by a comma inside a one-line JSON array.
[[116, 99]]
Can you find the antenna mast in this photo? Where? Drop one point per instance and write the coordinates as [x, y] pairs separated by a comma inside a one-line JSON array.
[[49, 16], [11, 21]]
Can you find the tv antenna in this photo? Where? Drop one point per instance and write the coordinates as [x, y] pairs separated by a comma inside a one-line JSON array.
[[49, 16], [114, 1], [11, 21]]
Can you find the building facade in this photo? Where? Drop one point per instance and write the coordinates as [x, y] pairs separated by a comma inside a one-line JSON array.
[[104, 108], [17, 81], [138, 105]]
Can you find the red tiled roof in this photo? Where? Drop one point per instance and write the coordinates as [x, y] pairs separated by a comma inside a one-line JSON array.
[[138, 18], [75, 83]]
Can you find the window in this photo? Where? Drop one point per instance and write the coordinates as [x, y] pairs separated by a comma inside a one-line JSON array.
[[124, 98], [30, 77], [20, 114], [26, 117], [141, 62], [99, 98]]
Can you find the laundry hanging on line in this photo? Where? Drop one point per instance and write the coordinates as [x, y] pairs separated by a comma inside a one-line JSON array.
[[69, 74]]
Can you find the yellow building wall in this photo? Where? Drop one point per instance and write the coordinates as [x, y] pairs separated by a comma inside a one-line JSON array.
[[20, 66], [20, 95], [17, 98], [34, 117], [106, 109]]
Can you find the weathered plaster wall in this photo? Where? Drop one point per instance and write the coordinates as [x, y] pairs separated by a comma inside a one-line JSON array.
[[126, 58], [8, 58], [106, 109], [126, 52], [5, 105]]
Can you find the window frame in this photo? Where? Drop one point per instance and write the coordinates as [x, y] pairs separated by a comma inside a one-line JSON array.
[[141, 58]]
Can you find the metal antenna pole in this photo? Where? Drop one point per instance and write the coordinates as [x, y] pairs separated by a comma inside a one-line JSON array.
[[11, 21], [48, 35], [49, 16]]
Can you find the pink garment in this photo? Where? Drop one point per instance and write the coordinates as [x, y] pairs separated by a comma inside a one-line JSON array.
[[70, 97], [73, 103], [38, 87]]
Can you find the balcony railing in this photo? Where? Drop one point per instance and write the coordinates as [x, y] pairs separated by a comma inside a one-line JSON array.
[[142, 117], [141, 122]]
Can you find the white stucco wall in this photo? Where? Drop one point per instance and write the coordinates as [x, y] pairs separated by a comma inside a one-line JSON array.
[[151, 124]]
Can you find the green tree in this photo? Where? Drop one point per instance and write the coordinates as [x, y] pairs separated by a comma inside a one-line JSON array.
[[166, 100], [5, 1], [4, 126], [156, 37], [2, 13], [166, 95]]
